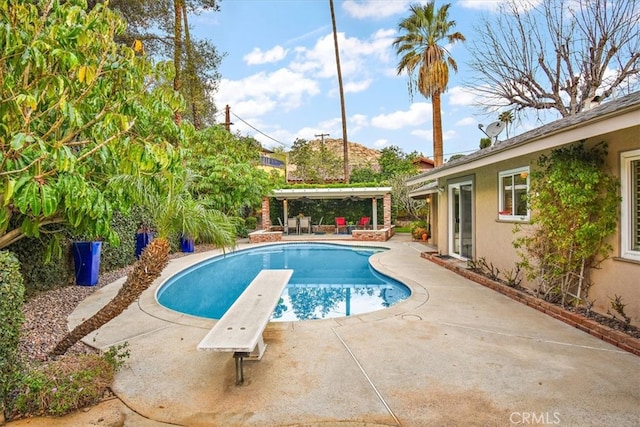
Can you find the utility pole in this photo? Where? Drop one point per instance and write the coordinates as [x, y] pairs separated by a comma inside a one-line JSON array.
[[227, 118], [322, 135]]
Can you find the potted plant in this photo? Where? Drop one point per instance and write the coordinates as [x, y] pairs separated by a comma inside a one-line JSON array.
[[420, 233], [420, 230]]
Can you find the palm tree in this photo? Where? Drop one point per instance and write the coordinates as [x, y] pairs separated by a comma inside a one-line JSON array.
[[345, 143], [507, 118], [422, 54], [173, 211]]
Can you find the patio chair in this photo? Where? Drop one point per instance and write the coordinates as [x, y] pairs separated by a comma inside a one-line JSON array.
[[292, 223], [305, 224], [363, 223], [341, 224]]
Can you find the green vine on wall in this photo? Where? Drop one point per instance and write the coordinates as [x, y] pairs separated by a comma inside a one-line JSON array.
[[574, 204]]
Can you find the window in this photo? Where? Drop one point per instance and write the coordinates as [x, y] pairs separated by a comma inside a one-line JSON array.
[[630, 226], [514, 187]]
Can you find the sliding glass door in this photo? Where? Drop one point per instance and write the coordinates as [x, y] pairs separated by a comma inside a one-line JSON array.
[[461, 220]]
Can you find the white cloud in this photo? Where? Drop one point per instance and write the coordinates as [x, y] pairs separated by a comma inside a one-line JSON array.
[[448, 135], [426, 134], [495, 5], [460, 96], [359, 120], [358, 57], [264, 92], [380, 143], [355, 87], [466, 121], [257, 56], [418, 113], [488, 5], [374, 8]]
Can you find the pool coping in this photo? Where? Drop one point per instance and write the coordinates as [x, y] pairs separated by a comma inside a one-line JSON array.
[[149, 304]]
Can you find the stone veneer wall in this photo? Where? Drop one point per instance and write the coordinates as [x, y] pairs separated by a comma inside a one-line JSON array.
[[266, 214], [380, 235], [262, 236], [386, 207]]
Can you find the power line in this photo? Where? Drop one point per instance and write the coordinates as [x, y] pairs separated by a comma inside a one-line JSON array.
[[257, 130]]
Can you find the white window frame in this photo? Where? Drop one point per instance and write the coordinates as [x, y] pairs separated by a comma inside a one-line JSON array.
[[626, 217], [501, 207]]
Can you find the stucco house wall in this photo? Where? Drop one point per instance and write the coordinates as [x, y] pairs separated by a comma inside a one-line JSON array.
[[493, 238]]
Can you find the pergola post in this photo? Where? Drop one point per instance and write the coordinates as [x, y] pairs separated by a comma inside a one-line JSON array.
[[387, 210], [285, 213], [374, 210], [266, 214]]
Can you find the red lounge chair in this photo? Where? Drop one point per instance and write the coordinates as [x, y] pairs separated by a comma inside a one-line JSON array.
[[341, 223], [363, 224]]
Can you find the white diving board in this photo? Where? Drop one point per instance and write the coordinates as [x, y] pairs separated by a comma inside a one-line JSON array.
[[240, 328]]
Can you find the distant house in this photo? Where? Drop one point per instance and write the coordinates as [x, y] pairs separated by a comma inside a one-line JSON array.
[[269, 163], [473, 209], [424, 164]]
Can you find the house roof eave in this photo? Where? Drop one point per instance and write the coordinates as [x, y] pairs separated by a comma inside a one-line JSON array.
[[619, 114]]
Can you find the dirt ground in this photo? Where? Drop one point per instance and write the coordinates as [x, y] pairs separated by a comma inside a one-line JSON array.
[[108, 413]]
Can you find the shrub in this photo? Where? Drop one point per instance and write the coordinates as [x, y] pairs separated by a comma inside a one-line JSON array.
[[11, 301], [574, 201], [62, 386], [40, 275], [251, 222], [418, 228], [126, 226]]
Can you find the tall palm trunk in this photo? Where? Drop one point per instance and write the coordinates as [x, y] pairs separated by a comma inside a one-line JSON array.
[[190, 69], [345, 141], [177, 51], [437, 130], [153, 260]]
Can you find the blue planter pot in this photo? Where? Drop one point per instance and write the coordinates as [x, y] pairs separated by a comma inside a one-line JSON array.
[[142, 240], [186, 245], [86, 257]]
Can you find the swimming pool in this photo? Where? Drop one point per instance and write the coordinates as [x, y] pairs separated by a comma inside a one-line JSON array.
[[328, 281]]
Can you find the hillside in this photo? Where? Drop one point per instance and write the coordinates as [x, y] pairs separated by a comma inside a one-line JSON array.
[[359, 155]]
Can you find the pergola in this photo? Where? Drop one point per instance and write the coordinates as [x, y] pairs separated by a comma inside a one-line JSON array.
[[373, 193]]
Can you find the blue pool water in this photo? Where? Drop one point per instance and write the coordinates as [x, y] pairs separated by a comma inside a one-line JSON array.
[[328, 281]]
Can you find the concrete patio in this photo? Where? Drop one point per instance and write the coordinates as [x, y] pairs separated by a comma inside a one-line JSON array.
[[455, 354]]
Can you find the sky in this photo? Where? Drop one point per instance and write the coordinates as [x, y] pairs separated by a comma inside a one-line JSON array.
[[279, 74]]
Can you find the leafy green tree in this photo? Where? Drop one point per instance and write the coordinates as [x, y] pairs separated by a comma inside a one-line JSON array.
[[393, 161], [163, 28], [314, 162], [227, 176], [77, 108], [173, 210], [574, 204], [426, 60], [402, 203], [364, 174]]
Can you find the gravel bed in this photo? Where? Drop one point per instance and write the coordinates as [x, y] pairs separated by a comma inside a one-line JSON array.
[[46, 317], [46, 314]]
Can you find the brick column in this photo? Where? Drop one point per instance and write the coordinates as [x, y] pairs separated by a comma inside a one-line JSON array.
[[386, 209], [266, 214]]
